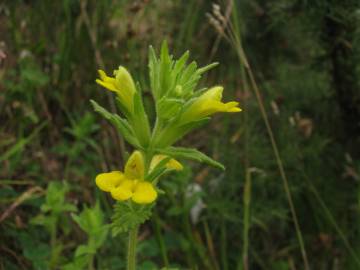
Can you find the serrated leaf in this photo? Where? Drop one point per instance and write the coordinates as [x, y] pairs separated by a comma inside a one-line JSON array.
[[190, 153], [90, 220], [180, 63], [127, 216]]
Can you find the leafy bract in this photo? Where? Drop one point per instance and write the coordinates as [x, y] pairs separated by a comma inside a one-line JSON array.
[[190, 153], [121, 124], [127, 216]]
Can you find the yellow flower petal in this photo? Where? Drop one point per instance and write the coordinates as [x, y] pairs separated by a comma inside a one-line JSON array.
[[134, 168], [172, 164], [124, 191], [108, 181], [107, 85], [232, 106], [214, 93], [144, 193], [102, 74]]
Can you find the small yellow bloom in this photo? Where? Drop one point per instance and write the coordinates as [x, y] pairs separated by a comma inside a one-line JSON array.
[[130, 184], [208, 104], [122, 84], [172, 164]]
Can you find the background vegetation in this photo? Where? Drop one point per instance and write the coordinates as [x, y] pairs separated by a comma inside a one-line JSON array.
[[305, 58]]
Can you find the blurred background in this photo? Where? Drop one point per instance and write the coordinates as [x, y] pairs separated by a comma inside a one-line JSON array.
[[304, 56]]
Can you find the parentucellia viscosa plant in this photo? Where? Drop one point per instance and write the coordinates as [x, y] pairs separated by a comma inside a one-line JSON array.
[[180, 108]]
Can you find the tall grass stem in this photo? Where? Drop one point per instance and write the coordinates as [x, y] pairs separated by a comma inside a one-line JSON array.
[[235, 41]]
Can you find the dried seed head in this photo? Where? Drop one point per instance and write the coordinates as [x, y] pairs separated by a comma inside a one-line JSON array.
[[215, 23], [218, 15]]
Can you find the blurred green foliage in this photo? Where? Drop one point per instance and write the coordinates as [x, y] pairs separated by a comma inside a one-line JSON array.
[[305, 57]]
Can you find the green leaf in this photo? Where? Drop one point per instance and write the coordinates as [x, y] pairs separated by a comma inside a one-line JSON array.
[[127, 216], [121, 124], [173, 78], [79, 262], [207, 68], [154, 73], [180, 63], [55, 199], [173, 133], [190, 153], [166, 63], [140, 121], [168, 107], [84, 250], [90, 220]]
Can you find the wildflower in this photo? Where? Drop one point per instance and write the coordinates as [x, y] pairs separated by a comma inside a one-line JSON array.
[[122, 84], [130, 184], [207, 104], [172, 164]]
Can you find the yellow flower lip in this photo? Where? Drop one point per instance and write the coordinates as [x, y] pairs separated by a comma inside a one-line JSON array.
[[144, 193], [107, 181], [130, 184]]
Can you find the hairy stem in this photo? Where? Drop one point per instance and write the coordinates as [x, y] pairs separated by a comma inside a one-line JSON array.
[[131, 256]]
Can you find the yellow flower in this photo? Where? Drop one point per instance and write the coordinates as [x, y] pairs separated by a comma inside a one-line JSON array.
[[208, 104], [130, 184], [172, 164], [122, 84], [141, 192]]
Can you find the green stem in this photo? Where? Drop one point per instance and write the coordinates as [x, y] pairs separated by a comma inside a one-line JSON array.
[[160, 240], [247, 199], [131, 257], [91, 263], [53, 243]]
